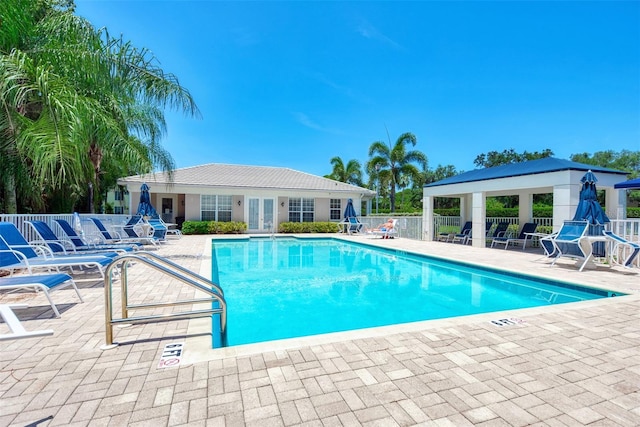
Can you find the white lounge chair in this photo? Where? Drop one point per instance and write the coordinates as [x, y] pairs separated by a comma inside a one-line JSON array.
[[625, 251], [41, 282], [571, 242], [387, 233], [16, 328]]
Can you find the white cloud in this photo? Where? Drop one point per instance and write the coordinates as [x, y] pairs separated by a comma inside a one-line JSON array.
[[304, 120], [367, 30]]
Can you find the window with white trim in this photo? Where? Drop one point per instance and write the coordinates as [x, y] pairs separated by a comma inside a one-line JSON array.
[[215, 208], [301, 209], [335, 209]]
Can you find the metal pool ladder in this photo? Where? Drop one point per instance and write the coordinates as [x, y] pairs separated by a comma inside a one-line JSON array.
[[214, 293]]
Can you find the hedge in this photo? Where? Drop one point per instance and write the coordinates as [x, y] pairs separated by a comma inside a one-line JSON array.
[[308, 227], [213, 227]]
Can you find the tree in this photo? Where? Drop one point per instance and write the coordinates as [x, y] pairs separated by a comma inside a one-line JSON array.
[[78, 101], [495, 158], [625, 160], [351, 173], [388, 163]]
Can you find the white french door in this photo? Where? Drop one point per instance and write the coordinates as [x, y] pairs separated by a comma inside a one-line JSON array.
[[261, 215]]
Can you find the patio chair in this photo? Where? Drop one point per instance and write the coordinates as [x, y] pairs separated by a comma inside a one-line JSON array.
[[19, 255], [354, 226], [107, 237], [464, 235], [60, 247], [135, 223], [79, 243], [16, 328], [387, 233], [158, 229], [621, 247], [46, 283], [487, 228], [571, 242], [525, 234], [499, 231]]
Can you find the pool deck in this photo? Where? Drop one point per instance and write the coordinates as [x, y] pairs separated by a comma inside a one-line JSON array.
[[564, 365]]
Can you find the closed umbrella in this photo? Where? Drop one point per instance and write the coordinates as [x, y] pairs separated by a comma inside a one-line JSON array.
[[590, 210], [144, 207], [349, 211], [77, 224]]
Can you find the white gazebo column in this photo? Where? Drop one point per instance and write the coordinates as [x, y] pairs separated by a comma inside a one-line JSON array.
[[427, 218], [565, 203], [478, 217], [525, 208], [465, 208], [616, 203]]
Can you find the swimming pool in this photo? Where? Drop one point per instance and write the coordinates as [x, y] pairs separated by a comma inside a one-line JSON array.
[[289, 287]]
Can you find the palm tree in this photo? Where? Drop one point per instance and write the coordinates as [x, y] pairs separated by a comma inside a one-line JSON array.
[[351, 174], [388, 162], [77, 100]]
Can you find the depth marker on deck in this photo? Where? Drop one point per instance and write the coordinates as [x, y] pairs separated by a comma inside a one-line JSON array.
[[508, 322], [171, 355]]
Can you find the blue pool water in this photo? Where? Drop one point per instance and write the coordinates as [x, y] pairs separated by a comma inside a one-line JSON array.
[[285, 288]]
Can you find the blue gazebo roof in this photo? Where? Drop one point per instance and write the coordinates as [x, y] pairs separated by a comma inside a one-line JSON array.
[[531, 167]]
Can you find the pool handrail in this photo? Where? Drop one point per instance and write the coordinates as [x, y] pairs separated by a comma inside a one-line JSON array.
[[188, 277]]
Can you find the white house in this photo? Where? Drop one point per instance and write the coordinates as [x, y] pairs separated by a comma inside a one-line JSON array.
[[261, 196]]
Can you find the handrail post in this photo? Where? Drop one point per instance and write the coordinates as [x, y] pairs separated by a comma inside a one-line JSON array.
[[124, 288], [108, 309]]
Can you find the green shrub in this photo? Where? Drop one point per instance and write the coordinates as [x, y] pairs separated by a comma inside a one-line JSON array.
[[308, 227], [633, 212], [213, 227]]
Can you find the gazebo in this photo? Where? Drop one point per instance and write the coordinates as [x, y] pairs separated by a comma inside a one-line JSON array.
[[549, 175]]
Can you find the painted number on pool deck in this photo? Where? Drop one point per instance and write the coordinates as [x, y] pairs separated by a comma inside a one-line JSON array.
[[171, 355], [507, 322]]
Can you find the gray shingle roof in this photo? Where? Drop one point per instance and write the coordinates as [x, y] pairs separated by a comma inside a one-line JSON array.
[[532, 167], [243, 176]]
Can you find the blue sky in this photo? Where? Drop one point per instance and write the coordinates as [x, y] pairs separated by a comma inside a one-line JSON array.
[[294, 84]]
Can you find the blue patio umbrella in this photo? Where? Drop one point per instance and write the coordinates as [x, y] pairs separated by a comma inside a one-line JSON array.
[[590, 210], [349, 211], [144, 207]]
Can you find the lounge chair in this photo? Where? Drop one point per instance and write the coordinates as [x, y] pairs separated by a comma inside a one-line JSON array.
[[137, 225], [571, 242], [16, 328], [354, 226], [107, 237], [19, 255], [621, 247], [499, 231], [387, 233], [63, 247], [158, 229], [80, 244], [464, 235], [41, 282], [525, 234], [469, 236]]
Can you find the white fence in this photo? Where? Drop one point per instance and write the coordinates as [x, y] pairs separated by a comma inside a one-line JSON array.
[[410, 227], [89, 229]]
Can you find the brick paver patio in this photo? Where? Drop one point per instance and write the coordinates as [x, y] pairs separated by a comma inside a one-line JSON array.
[[567, 365]]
